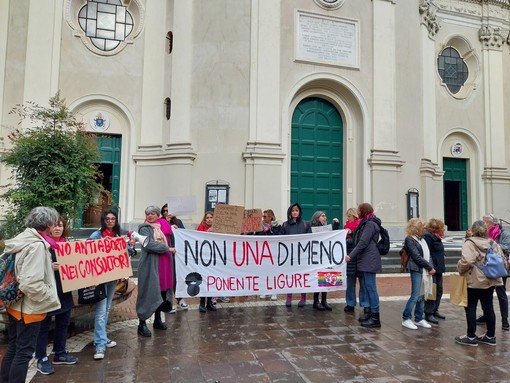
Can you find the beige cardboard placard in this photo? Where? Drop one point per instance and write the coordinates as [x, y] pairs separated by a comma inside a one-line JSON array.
[[228, 219], [91, 262], [252, 220]]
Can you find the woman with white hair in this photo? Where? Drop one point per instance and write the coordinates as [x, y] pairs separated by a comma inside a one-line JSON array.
[[36, 278], [151, 282]]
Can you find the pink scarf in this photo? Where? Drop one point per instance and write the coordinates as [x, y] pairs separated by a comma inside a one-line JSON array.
[[51, 241], [494, 232], [159, 236]]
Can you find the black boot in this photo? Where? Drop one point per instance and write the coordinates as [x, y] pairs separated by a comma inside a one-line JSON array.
[[143, 329], [372, 322], [324, 302], [366, 314], [210, 305], [158, 324], [202, 307], [316, 303]]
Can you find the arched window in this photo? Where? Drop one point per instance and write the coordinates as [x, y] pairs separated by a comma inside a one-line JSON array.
[[452, 69]]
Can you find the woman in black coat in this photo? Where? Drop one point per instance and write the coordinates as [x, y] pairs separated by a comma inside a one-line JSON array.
[[434, 238]]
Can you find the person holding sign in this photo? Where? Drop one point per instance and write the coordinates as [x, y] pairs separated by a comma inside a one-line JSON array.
[[150, 281], [110, 227], [295, 225], [319, 219], [62, 316], [36, 278]]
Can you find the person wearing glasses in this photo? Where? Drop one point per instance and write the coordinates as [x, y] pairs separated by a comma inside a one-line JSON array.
[[110, 227]]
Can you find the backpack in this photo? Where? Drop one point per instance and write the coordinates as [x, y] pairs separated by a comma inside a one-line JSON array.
[[383, 245], [9, 286], [404, 259], [494, 266]]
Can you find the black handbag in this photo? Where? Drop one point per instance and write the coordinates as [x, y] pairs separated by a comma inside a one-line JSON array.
[[90, 295]]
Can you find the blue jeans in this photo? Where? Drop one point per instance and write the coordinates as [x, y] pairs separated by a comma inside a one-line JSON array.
[[62, 321], [21, 346], [101, 319], [416, 300], [369, 280], [350, 292]]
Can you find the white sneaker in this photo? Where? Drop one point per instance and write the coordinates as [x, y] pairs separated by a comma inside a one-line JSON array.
[[262, 296], [110, 343], [423, 323], [99, 354], [409, 324], [274, 297], [183, 305]]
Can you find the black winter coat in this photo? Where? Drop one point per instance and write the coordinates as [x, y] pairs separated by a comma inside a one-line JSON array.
[[437, 254]]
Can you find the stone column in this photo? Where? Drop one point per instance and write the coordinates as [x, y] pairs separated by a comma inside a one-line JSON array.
[[430, 172], [384, 157], [42, 62], [496, 175], [263, 154]]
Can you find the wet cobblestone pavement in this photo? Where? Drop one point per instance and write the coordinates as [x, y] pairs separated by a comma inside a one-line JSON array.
[[254, 340]]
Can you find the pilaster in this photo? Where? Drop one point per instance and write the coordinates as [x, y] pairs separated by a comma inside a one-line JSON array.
[[384, 158], [263, 154], [42, 63]]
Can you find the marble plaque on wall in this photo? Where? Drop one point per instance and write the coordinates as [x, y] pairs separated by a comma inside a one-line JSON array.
[[327, 40]]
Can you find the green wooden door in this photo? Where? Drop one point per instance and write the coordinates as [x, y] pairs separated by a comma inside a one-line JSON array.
[[317, 158], [455, 200], [109, 166]]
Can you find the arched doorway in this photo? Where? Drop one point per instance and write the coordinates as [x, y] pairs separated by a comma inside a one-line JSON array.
[[317, 158]]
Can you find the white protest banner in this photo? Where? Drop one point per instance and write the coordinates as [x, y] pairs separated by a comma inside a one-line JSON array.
[[182, 205], [211, 264], [91, 262]]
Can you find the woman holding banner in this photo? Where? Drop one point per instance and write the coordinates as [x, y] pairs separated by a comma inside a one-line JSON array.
[[154, 272], [320, 219], [109, 228], [295, 225], [206, 225], [62, 316]]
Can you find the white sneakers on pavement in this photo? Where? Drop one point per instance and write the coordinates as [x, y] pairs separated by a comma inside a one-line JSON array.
[[408, 323], [423, 323]]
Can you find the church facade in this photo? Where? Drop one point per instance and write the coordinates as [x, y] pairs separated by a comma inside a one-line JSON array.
[[263, 103]]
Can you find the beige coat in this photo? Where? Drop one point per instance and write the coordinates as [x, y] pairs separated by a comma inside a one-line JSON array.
[[34, 273], [473, 251]]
